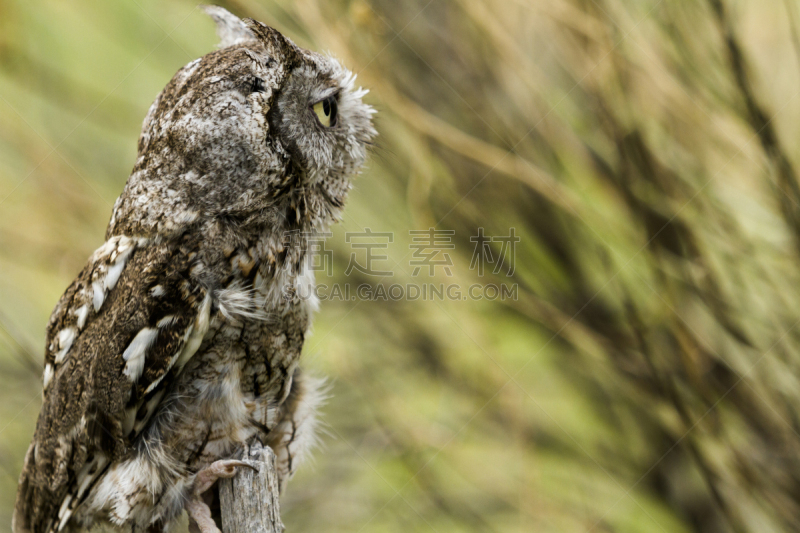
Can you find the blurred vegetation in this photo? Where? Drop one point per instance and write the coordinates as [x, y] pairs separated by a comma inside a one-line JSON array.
[[646, 378]]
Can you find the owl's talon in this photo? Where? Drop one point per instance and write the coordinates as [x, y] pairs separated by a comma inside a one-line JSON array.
[[217, 470], [200, 520]]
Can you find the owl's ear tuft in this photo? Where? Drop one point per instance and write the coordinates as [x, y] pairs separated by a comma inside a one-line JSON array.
[[230, 28], [273, 40]]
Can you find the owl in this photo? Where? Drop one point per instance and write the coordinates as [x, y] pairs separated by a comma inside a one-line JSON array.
[[178, 343]]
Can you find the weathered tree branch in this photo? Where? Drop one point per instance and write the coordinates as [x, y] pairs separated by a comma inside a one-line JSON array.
[[250, 500]]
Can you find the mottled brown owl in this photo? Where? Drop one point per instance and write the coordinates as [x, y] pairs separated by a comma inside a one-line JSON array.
[[179, 341]]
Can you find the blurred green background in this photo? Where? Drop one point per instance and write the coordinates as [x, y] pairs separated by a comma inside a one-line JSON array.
[[645, 152]]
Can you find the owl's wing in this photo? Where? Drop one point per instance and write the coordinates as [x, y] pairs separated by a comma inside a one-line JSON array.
[[116, 340]]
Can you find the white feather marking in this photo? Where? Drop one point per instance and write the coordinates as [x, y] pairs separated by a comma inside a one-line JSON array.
[[48, 375], [65, 338], [157, 291], [82, 313], [125, 246], [167, 321], [98, 295], [199, 330], [60, 356], [135, 352], [64, 512], [121, 255], [109, 246], [119, 248], [113, 274], [84, 478]]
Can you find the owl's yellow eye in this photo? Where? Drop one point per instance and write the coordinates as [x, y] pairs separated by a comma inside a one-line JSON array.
[[326, 111]]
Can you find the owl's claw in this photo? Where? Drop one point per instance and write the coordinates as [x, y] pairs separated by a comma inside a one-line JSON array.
[[217, 470], [200, 520]]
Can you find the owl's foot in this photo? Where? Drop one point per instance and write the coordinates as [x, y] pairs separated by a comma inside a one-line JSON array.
[[217, 470], [200, 520]]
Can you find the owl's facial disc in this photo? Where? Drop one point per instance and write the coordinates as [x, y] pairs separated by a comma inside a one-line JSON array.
[[320, 119]]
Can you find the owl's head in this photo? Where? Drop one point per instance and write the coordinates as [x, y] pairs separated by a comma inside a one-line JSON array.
[[254, 125]]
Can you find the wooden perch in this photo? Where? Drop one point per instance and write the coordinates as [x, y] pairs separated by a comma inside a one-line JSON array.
[[249, 501]]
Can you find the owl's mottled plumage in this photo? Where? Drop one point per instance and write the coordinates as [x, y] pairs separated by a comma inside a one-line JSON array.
[[179, 340]]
